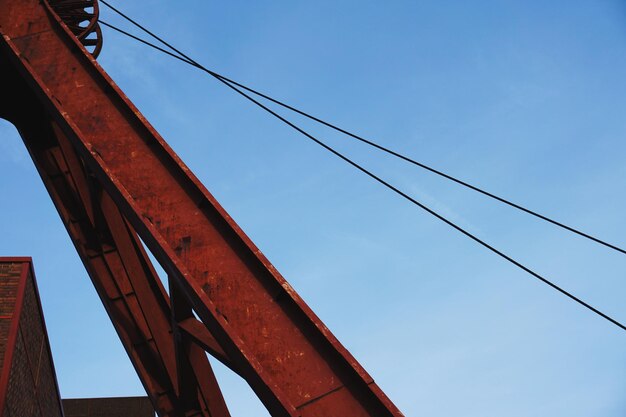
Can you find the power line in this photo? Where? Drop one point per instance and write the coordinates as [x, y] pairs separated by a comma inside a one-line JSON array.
[[371, 174], [185, 58]]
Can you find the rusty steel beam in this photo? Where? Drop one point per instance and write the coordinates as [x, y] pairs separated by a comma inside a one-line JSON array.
[[267, 332], [193, 368], [120, 270]]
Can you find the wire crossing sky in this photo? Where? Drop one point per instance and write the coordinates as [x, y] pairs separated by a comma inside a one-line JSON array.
[[230, 83], [526, 99], [234, 86]]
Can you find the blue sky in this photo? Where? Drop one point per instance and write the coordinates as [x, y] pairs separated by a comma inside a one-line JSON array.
[[526, 99]]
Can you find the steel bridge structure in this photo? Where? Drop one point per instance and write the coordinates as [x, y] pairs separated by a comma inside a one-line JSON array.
[[117, 185]]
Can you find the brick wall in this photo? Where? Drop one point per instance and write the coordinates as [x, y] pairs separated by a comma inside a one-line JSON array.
[[9, 279], [28, 386]]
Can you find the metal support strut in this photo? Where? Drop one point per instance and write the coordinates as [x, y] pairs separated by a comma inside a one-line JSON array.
[[116, 183]]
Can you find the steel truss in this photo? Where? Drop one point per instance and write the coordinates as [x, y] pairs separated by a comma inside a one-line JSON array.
[[117, 185]]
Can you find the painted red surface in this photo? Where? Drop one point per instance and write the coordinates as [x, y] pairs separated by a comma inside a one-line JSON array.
[[114, 180]]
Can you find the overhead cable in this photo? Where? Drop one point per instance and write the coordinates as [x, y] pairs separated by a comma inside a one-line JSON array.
[[359, 167], [185, 58]]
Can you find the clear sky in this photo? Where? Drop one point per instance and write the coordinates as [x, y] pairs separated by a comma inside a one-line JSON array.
[[526, 99]]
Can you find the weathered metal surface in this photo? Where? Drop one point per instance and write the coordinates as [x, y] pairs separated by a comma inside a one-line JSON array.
[[120, 270], [263, 329], [28, 385], [81, 18]]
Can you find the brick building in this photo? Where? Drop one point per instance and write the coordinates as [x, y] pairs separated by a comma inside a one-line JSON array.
[[28, 384]]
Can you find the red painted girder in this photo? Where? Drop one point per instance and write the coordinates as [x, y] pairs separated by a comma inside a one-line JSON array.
[[286, 354], [120, 270]]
